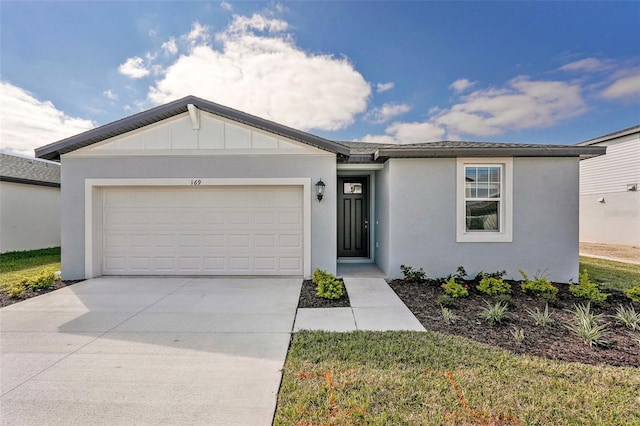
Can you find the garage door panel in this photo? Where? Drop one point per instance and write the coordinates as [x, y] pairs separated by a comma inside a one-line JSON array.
[[203, 231]]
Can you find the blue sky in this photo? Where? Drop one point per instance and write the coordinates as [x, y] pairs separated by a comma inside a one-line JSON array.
[[396, 72]]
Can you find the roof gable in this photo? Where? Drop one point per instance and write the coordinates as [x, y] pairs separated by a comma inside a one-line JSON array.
[[29, 170], [172, 109]]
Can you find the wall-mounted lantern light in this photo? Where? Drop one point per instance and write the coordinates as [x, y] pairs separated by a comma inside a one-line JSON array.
[[320, 190]]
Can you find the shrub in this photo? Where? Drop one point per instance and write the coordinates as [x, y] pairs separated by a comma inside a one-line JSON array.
[[412, 275], [498, 274], [43, 281], [518, 335], [458, 275], [494, 286], [444, 300], [495, 313], [628, 316], [327, 286], [448, 315], [588, 327], [634, 294], [504, 298], [16, 290], [587, 289], [539, 286], [541, 318], [453, 289]]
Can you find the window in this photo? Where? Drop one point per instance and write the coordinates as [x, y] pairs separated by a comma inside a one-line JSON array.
[[484, 206]]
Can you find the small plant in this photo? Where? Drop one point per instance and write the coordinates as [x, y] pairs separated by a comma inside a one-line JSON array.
[[453, 289], [634, 294], [587, 289], [412, 275], [504, 298], [498, 274], [494, 286], [42, 281], [541, 318], [518, 335], [16, 290], [628, 316], [635, 335], [587, 326], [496, 313], [539, 286], [327, 286], [448, 315], [444, 300]]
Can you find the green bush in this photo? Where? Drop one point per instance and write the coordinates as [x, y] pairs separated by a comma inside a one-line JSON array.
[[16, 290], [634, 294], [587, 289], [453, 289], [413, 275], [327, 286], [494, 286], [42, 281], [444, 300], [539, 286], [495, 314]]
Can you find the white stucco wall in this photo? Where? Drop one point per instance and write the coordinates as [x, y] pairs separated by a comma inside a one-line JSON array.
[[615, 219], [29, 217], [76, 170], [422, 220]]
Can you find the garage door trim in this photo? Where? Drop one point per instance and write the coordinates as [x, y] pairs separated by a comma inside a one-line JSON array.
[[93, 209]]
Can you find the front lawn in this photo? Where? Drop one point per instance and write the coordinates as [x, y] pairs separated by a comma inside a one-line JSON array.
[[16, 266], [610, 274], [434, 379]]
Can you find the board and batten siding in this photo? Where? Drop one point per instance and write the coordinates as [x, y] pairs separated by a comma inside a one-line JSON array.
[[615, 170]]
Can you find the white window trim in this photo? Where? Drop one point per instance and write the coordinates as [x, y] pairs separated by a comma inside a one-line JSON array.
[[505, 235]]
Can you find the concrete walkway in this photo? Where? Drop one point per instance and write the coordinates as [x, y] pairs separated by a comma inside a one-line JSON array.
[[374, 306]]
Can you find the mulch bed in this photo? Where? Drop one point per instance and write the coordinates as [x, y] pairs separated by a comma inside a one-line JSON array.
[[5, 300], [309, 299], [552, 342]]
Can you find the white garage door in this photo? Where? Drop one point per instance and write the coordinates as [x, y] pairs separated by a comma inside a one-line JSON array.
[[231, 230]]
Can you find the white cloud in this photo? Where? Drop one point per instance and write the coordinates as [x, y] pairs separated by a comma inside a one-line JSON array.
[[134, 68], [267, 75], [110, 94], [521, 104], [27, 123], [170, 46], [623, 88], [461, 85], [387, 111], [226, 6], [587, 64], [406, 133], [199, 33], [383, 87]]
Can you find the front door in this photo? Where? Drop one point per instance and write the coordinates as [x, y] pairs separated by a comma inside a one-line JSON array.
[[353, 216]]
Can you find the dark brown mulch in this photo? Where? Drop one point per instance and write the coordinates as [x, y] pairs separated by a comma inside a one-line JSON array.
[[552, 342], [309, 299], [5, 300]]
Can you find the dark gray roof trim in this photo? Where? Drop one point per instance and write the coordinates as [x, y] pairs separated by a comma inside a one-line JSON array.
[[162, 112], [610, 136], [28, 170], [29, 182]]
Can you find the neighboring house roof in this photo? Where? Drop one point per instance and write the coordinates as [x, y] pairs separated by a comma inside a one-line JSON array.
[[162, 112], [620, 133], [29, 170], [353, 152], [380, 152]]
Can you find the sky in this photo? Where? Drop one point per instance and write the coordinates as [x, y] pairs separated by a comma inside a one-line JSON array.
[[384, 71]]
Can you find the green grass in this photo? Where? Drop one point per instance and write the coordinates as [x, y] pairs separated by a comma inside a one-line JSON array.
[[611, 275], [412, 378], [18, 265]]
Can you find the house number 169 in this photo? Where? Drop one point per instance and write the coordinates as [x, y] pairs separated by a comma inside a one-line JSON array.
[[196, 182]]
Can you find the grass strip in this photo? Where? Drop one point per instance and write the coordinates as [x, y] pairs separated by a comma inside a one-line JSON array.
[[432, 379], [610, 274], [16, 266]]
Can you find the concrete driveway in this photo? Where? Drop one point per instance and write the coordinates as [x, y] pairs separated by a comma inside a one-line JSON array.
[[147, 351]]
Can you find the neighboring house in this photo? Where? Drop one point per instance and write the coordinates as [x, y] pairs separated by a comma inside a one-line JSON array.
[[29, 203], [196, 188], [610, 190]]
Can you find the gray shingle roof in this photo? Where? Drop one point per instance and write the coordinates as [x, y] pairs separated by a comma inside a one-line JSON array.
[[610, 136], [29, 170]]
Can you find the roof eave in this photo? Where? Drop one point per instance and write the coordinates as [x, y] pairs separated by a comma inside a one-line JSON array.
[[560, 151]]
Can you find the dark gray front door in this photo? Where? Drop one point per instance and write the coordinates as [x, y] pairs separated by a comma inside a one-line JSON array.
[[353, 216]]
